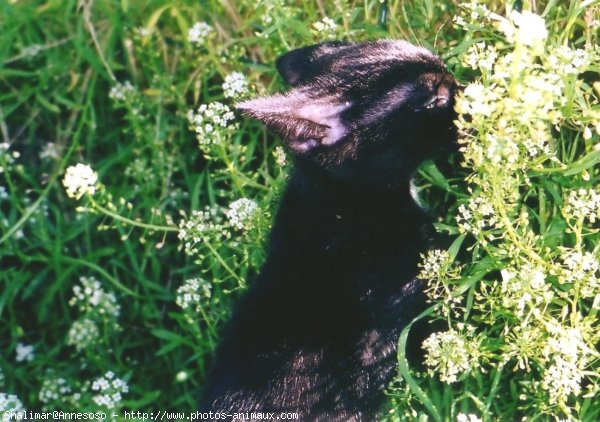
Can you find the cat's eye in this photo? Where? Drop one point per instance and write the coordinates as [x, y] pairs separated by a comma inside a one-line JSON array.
[[435, 101], [431, 103], [441, 98]]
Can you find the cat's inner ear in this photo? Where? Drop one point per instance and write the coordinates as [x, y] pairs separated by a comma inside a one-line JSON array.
[[300, 65], [303, 122]]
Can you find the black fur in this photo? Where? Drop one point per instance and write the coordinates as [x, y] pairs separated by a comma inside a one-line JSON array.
[[317, 331]]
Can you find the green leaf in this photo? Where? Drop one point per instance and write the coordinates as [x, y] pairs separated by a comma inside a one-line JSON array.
[[405, 371], [583, 163]]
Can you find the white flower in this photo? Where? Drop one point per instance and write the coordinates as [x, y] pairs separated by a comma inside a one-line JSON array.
[[121, 91], [10, 403], [583, 204], [477, 100], [507, 28], [567, 357], [200, 224], [524, 28], [92, 299], [565, 60], [235, 85], [83, 333], [111, 390], [53, 390], [241, 212], [142, 31], [199, 32], [326, 25], [24, 352], [50, 151], [280, 157], [562, 379], [449, 354], [209, 120], [480, 56], [461, 417], [192, 293], [476, 216], [80, 179], [532, 28], [435, 261]]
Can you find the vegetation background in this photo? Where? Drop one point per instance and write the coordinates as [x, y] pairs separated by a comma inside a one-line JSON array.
[[112, 293]]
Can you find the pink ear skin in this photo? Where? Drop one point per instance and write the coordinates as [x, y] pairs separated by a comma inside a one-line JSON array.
[[303, 122]]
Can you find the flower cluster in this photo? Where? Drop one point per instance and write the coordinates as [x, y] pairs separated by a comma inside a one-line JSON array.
[[83, 333], [53, 390], [201, 224], [462, 417], [91, 299], [100, 310], [477, 215], [479, 56], [524, 28], [241, 213], [522, 95], [235, 85], [199, 32], [193, 293], [210, 121], [524, 289], [566, 352], [121, 92], [50, 151], [10, 403], [24, 352], [110, 390], [564, 60], [582, 204], [80, 180], [438, 270], [434, 264], [142, 32], [280, 156], [7, 158], [529, 213], [580, 268], [325, 27], [450, 355]]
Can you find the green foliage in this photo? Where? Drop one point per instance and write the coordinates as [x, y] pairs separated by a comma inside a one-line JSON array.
[[521, 300], [135, 205], [127, 229]]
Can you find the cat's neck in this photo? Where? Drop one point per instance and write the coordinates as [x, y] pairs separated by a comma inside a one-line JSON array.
[[328, 229], [327, 193], [319, 211]]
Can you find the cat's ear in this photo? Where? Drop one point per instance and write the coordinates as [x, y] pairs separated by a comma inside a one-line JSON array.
[[298, 66], [303, 122]]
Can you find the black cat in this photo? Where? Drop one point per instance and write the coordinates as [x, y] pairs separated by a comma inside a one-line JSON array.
[[317, 331]]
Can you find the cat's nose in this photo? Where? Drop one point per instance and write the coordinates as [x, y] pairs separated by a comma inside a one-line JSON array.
[[446, 90], [444, 95]]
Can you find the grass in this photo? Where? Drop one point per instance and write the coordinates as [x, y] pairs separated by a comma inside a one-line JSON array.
[[64, 100], [59, 63]]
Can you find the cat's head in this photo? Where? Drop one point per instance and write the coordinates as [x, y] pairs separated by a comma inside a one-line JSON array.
[[372, 111]]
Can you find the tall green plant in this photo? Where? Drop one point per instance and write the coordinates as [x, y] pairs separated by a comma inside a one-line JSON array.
[[521, 301]]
